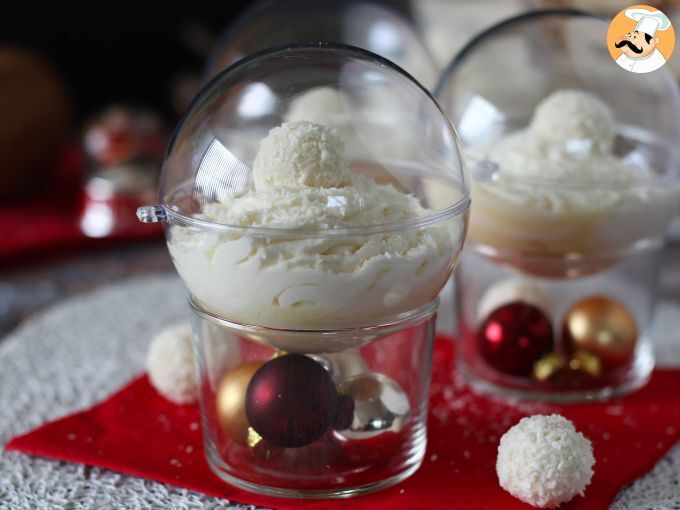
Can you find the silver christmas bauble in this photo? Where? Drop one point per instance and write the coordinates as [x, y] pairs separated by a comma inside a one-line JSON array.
[[380, 405]]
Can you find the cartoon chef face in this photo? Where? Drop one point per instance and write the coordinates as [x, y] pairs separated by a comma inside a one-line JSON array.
[[637, 44]]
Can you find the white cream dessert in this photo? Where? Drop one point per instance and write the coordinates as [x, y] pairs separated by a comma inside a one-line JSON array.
[[302, 184], [560, 189]]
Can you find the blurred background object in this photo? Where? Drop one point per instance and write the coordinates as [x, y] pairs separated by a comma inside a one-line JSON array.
[[448, 25], [120, 135], [71, 155], [383, 27], [36, 117], [130, 52], [125, 149], [117, 76]]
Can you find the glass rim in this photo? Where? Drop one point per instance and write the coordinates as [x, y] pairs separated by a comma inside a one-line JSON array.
[[408, 319], [575, 258], [489, 173], [458, 209]]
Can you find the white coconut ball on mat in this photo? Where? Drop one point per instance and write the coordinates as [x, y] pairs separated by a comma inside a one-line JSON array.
[[170, 364], [544, 461]]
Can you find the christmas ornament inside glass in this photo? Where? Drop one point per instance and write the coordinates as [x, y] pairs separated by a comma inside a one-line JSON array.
[[291, 401], [514, 337], [580, 371], [301, 437], [231, 400], [380, 405], [601, 326]]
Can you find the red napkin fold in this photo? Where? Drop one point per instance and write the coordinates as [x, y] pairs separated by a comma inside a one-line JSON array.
[[138, 432]]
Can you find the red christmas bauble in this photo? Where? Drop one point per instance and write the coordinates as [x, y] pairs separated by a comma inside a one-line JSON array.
[[514, 336], [291, 401]]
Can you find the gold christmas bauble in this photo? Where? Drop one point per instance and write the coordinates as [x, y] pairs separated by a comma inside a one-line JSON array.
[[231, 401], [601, 326]]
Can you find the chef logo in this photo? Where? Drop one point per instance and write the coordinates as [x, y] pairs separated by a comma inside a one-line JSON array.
[[640, 39]]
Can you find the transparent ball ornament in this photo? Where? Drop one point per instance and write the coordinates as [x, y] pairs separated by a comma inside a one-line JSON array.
[[522, 97], [380, 26], [256, 245], [329, 240], [576, 179]]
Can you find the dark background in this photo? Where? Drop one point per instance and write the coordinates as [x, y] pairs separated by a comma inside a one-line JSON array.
[[128, 51]]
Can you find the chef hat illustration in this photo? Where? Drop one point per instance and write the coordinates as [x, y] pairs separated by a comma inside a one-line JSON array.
[[648, 21]]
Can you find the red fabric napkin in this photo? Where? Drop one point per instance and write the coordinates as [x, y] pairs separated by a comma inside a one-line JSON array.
[[138, 432]]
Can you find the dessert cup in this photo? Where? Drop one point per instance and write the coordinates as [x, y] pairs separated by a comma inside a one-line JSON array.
[[314, 257], [575, 185]]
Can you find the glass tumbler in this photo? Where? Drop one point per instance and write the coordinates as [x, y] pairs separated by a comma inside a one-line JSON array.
[[374, 421], [570, 368]]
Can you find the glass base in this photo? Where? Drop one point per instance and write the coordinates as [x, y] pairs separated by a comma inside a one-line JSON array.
[[221, 470], [636, 378], [487, 281]]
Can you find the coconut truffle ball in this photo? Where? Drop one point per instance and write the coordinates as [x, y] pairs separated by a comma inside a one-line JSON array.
[[544, 461], [170, 364], [301, 154], [576, 119]]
